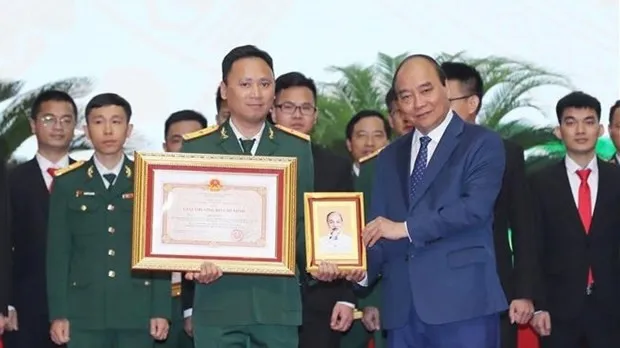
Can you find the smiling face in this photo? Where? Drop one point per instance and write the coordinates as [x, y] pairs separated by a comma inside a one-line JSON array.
[[334, 223], [421, 95], [579, 130], [249, 90]]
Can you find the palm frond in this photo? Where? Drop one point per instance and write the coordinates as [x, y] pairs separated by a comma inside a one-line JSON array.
[[9, 89]]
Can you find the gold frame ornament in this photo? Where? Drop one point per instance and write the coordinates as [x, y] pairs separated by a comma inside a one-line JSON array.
[[341, 245], [168, 225]]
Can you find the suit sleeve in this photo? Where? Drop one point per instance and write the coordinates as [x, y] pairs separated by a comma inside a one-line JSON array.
[[305, 183], [540, 291], [482, 183], [58, 252], [161, 299], [187, 294], [378, 207], [521, 222], [5, 241]]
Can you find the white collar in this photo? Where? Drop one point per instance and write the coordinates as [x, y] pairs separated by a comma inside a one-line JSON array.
[[44, 163], [103, 170], [436, 133], [572, 166]]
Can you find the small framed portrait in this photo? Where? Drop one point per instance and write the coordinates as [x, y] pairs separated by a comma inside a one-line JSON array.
[[334, 224]]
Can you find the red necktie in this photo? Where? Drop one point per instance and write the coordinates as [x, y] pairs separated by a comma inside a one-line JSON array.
[[51, 172], [585, 207]]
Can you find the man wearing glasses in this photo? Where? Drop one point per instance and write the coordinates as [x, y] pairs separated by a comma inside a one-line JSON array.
[[52, 120], [327, 308]]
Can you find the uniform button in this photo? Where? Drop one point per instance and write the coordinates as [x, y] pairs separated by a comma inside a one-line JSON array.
[[83, 208], [110, 207], [147, 283], [111, 274], [111, 229], [111, 252]]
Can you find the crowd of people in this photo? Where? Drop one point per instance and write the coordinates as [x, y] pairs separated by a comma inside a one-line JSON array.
[[440, 195]]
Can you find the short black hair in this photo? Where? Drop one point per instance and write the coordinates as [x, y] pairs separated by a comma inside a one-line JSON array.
[[468, 76], [218, 99], [51, 95], [184, 115], [578, 100], [364, 114], [612, 111], [390, 98], [241, 52], [440, 74], [295, 79], [108, 99]]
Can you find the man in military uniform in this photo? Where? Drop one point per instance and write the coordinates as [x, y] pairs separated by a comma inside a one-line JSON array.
[[250, 310], [180, 123], [95, 300], [370, 297]]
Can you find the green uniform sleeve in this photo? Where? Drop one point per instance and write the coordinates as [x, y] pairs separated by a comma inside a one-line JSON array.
[[161, 300], [58, 252]]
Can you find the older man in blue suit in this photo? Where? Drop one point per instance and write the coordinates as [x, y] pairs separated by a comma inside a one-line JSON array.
[[430, 230]]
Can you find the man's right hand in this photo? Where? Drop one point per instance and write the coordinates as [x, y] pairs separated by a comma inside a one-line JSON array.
[[371, 319], [356, 276], [187, 325], [209, 272], [12, 324], [59, 331], [541, 322]]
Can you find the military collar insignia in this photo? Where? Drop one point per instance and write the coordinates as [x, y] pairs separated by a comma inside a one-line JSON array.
[[127, 171], [223, 133], [91, 171], [270, 132]]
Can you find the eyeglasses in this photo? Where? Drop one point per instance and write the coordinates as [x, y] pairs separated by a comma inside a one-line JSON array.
[[290, 108], [460, 98], [50, 121]]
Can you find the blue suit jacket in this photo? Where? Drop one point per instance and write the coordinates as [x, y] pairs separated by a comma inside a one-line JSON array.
[[448, 272]]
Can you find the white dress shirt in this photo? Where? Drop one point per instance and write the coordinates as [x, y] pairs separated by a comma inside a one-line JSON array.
[[574, 180], [256, 137], [103, 170], [44, 164]]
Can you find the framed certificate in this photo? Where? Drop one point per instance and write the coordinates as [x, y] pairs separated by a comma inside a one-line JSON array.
[[236, 211], [334, 224]]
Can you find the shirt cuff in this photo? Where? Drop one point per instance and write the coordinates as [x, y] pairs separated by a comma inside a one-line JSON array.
[[11, 308], [187, 313], [408, 235], [364, 281], [348, 304]]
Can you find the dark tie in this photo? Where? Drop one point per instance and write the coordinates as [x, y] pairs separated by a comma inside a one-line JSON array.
[[246, 145], [419, 166], [110, 178], [584, 206]]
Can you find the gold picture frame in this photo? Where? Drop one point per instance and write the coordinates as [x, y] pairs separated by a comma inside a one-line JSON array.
[[340, 215], [246, 203]]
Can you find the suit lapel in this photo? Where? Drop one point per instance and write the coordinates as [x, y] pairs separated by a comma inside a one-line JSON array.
[[402, 167], [605, 178], [37, 175], [446, 146], [565, 196], [267, 144], [228, 142]]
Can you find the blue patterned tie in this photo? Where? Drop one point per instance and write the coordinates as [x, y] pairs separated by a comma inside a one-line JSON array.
[[419, 166]]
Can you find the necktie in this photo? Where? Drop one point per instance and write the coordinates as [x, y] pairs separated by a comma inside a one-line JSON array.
[[246, 145], [584, 206], [110, 178], [51, 172], [419, 166]]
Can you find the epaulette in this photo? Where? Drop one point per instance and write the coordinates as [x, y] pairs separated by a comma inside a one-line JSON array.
[[293, 132], [71, 167], [200, 133], [370, 156]]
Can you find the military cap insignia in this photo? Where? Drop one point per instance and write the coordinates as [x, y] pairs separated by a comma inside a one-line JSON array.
[[370, 156], [71, 167], [200, 133], [293, 132]]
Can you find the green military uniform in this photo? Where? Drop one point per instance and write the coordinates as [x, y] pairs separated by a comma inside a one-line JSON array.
[[253, 310], [358, 336], [89, 278], [177, 337]]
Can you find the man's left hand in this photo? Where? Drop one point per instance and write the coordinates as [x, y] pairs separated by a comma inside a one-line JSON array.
[[342, 317], [159, 328], [327, 272], [383, 228], [521, 311]]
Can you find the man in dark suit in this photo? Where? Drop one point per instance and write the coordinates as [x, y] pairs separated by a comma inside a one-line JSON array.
[[5, 247], [327, 307], [52, 120], [577, 202], [512, 209], [431, 234]]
